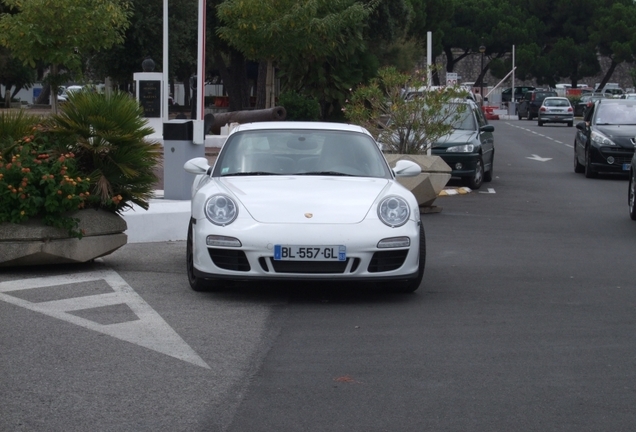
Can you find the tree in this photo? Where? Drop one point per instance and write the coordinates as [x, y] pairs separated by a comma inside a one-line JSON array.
[[14, 75], [288, 30], [613, 34], [60, 32], [405, 124]]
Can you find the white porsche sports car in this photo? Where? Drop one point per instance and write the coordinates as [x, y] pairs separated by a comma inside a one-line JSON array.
[[303, 201]]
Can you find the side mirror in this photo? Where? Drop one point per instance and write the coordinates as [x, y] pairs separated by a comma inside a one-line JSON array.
[[487, 128], [197, 166], [404, 168], [581, 125]]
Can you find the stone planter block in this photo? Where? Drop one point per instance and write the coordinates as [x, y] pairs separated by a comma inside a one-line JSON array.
[[35, 244], [426, 187]]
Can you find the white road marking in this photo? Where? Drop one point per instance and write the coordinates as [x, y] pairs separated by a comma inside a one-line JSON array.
[[536, 133], [538, 158], [149, 331], [489, 191]]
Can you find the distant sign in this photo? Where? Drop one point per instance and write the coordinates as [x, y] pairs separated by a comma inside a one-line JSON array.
[[150, 98], [451, 78]]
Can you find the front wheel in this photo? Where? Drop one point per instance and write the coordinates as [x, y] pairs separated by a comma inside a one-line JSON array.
[[488, 175], [475, 181], [196, 283], [631, 192], [540, 123], [411, 285], [578, 168], [589, 171]]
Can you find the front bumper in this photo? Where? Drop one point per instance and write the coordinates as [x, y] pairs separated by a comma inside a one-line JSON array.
[[468, 162], [254, 259], [556, 118], [613, 159]]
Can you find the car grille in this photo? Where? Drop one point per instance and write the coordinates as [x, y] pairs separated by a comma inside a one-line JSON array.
[[313, 267], [621, 155], [387, 260], [229, 259]]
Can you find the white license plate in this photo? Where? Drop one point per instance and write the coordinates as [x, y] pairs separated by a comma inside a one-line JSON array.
[[310, 253]]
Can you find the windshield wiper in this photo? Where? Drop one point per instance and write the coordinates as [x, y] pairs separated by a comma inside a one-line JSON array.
[[326, 173], [251, 173]]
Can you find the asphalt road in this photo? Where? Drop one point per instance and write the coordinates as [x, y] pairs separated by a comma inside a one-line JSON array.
[[524, 322]]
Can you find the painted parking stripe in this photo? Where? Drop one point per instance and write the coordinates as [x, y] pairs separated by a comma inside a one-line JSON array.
[[149, 330]]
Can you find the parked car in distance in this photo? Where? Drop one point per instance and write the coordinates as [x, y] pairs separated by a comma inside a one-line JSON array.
[[303, 201], [556, 110], [528, 107], [631, 189], [605, 140], [628, 96], [63, 96], [470, 148], [519, 92]]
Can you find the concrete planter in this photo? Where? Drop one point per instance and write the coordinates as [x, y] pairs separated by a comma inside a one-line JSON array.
[[33, 243], [426, 187]]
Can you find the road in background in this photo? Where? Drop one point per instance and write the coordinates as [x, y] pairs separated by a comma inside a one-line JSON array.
[[524, 322]]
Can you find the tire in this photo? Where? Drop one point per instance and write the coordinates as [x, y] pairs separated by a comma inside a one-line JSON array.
[[631, 193], [578, 168], [196, 283], [570, 124], [412, 285], [519, 116], [540, 123], [488, 175], [529, 115], [589, 171], [475, 181]]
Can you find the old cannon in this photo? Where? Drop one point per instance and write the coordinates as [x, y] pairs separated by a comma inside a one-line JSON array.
[[214, 122]]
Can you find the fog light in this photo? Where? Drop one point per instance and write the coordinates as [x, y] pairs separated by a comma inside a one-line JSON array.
[[458, 166], [610, 160], [216, 240], [394, 242]]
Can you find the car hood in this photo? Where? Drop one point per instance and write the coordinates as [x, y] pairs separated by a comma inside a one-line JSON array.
[[620, 134], [455, 138], [291, 199]]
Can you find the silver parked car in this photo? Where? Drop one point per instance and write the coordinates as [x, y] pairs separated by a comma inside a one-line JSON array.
[[556, 110]]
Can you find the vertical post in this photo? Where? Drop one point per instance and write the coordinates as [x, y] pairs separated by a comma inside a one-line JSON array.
[[164, 68], [429, 58], [429, 68], [482, 50], [201, 61]]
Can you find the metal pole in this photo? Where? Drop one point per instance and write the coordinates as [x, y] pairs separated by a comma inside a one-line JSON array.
[[164, 102], [481, 80]]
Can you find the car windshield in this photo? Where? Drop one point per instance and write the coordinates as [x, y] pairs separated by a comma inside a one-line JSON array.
[[556, 102], [300, 152], [459, 116], [616, 114]]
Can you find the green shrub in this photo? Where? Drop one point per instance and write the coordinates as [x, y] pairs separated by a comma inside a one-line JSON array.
[[299, 107], [38, 181]]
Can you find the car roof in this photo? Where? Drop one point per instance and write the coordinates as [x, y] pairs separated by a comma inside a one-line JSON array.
[[297, 125], [556, 97]]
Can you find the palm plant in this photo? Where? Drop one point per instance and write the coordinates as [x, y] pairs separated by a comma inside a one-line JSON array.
[[111, 147], [13, 126]]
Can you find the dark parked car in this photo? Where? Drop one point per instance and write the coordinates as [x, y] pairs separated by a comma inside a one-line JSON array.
[[469, 149], [519, 92], [532, 100], [605, 139], [631, 190], [587, 101]]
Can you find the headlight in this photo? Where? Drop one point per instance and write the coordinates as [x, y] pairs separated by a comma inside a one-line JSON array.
[[468, 148], [394, 211], [601, 140], [221, 210]]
